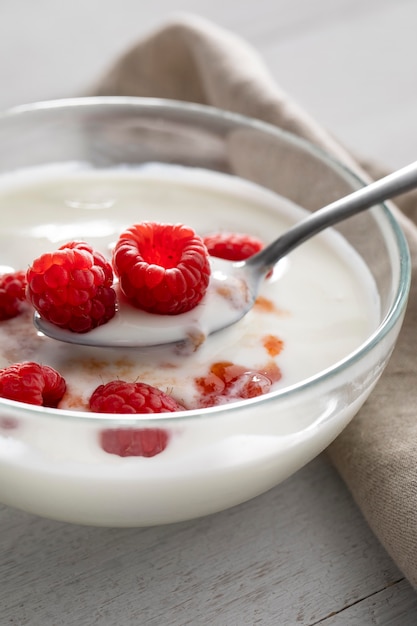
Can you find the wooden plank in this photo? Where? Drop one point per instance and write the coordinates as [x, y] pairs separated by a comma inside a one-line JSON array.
[[394, 606], [298, 553]]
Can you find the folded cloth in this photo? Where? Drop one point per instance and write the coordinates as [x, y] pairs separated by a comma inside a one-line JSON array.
[[191, 59]]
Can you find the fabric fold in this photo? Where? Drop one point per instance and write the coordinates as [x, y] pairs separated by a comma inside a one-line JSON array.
[[193, 60]]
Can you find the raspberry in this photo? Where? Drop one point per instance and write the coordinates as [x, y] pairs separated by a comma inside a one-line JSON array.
[[228, 381], [163, 268], [12, 294], [122, 397], [249, 385], [232, 246], [72, 287], [32, 383], [119, 396], [134, 442]]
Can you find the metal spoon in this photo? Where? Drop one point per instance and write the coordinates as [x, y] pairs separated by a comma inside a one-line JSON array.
[[233, 286]]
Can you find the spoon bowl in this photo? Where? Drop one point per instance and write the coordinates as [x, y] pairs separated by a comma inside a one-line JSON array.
[[234, 286]]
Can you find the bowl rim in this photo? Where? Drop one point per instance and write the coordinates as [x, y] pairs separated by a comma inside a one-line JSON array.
[[208, 112]]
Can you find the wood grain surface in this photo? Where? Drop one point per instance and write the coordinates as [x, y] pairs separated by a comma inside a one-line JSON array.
[[300, 555]]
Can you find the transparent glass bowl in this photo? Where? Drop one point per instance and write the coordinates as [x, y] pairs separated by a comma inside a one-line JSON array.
[[232, 452]]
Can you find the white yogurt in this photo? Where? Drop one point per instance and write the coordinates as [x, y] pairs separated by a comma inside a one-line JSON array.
[[320, 302]]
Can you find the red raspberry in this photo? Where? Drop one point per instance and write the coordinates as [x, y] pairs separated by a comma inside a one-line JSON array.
[[249, 385], [228, 381], [232, 246], [12, 294], [119, 396], [163, 268], [134, 442], [72, 287], [122, 397], [32, 383]]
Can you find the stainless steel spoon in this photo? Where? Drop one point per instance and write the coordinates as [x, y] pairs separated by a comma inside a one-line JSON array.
[[240, 281]]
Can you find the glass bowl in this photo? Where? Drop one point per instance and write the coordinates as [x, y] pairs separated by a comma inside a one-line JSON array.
[[221, 455]]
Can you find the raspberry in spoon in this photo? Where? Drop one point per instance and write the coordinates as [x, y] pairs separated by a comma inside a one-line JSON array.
[[72, 287], [162, 268]]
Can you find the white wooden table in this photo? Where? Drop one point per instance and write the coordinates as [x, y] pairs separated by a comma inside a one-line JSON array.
[[300, 555]]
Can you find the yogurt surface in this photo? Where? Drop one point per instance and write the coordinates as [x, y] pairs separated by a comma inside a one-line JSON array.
[[319, 304]]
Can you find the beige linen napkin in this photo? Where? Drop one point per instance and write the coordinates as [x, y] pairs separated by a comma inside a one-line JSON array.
[[190, 59]]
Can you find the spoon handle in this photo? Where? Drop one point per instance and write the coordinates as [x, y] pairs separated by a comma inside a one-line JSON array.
[[392, 185]]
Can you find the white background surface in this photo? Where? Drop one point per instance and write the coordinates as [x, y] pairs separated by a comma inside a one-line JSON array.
[[351, 63], [301, 554]]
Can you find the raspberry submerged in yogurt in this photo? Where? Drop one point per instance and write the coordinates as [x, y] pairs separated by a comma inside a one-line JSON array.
[[119, 396], [227, 381], [124, 442], [12, 294], [232, 246], [32, 383], [122, 397]]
